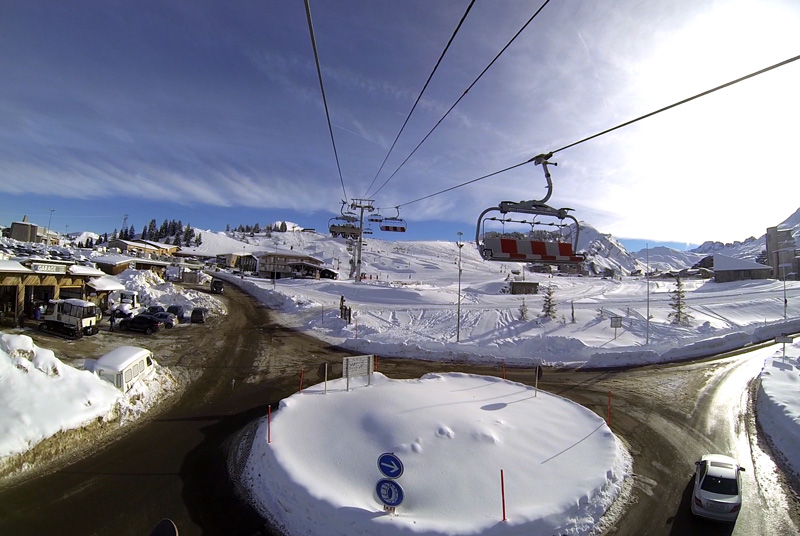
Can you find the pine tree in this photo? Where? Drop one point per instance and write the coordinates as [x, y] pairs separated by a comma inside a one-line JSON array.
[[679, 314], [283, 227], [549, 302], [198, 239], [177, 241], [131, 233], [162, 231], [256, 228], [144, 233], [152, 230], [179, 227], [188, 234]]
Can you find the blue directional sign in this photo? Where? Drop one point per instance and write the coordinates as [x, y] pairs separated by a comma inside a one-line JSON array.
[[389, 492], [390, 465]]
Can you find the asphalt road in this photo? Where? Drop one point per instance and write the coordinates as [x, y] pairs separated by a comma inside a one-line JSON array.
[[174, 464]]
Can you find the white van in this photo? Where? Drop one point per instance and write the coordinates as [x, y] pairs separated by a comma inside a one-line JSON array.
[[124, 365]]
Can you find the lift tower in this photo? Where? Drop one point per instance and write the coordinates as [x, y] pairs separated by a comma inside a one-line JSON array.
[[361, 205]]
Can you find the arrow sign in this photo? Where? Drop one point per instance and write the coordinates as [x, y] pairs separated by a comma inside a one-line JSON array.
[[390, 465], [389, 492]]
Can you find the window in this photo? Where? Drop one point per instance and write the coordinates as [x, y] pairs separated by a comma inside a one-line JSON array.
[[723, 486], [128, 375]]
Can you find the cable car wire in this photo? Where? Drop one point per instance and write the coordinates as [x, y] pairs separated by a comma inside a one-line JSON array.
[[463, 95], [324, 99], [438, 62], [626, 123]]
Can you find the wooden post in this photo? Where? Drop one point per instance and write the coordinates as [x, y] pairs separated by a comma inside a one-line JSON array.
[[503, 493]]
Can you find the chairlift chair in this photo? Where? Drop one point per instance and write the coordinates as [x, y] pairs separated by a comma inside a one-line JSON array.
[[539, 246], [394, 223]]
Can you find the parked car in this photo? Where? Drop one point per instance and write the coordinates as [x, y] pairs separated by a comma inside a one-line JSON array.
[[153, 309], [143, 322], [178, 311], [168, 319], [199, 315], [717, 491]]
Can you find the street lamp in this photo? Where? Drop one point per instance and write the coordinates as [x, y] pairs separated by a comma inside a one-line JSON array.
[[49, 221], [458, 314]]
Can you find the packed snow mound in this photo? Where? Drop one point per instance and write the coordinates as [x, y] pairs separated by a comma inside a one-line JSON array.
[[453, 433], [41, 396], [153, 290]]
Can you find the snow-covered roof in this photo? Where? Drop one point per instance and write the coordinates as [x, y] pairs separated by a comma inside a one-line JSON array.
[[14, 266], [105, 283], [79, 269], [724, 263]]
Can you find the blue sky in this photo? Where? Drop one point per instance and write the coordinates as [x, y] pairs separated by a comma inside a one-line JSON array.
[[211, 113]]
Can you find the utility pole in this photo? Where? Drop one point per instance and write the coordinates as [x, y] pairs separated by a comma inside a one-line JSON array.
[[647, 280], [458, 314], [49, 221]]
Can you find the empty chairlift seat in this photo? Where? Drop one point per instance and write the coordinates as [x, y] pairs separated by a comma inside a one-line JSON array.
[[496, 248]]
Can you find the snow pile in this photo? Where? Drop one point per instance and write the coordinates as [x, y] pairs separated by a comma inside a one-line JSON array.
[[153, 290], [42, 396], [778, 406], [318, 474]]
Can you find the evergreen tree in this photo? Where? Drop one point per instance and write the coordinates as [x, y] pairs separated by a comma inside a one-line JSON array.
[[144, 233], [179, 228], [283, 227], [679, 314], [162, 231], [227, 227], [177, 241], [131, 233], [198, 239], [152, 230], [549, 302], [188, 234], [256, 228]]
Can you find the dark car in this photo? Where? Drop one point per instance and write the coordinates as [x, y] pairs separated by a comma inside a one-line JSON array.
[[144, 323], [199, 315], [178, 311], [153, 309], [168, 319], [217, 287]]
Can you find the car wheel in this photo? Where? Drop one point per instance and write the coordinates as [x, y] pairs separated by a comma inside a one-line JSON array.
[[148, 331], [124, 326], [169, 326]]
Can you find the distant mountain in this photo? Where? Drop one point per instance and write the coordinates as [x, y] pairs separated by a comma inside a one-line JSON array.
[[603, 251]]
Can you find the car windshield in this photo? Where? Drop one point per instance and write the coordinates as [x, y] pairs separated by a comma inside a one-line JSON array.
[[723, 486]]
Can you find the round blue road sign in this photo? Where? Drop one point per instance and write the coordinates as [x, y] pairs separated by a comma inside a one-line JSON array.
[[389, 492], [390, 465]]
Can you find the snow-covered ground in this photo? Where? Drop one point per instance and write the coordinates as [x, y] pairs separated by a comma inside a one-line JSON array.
[[408, 306]]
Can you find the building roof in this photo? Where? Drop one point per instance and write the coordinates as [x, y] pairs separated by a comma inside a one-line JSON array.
[[724, 263], [105, 283], [14, 267]]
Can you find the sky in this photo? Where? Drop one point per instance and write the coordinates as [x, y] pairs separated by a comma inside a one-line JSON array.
[[211, 113], [406, 309]]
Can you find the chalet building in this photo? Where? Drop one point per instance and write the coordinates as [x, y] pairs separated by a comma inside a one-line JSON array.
[[727, 269], [25, 285], [133, 248], [161, 248], [282, 264], [116, 264]]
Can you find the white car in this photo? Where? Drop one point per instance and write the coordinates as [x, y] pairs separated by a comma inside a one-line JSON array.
[[717, 490]]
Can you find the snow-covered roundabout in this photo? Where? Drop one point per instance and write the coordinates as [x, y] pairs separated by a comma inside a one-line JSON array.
[[473, 450]]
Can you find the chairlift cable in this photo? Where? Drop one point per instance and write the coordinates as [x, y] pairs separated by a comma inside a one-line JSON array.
[[684, 101], [435, 67], [324, 99], [462, 95]]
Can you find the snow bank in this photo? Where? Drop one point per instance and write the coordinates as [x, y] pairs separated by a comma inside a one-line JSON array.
[[778, 408]]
